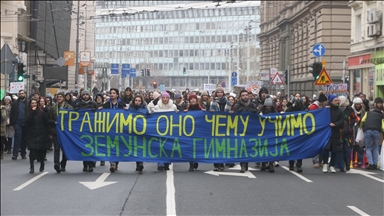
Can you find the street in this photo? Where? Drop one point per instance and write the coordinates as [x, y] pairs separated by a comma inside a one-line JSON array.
[[179, 192]]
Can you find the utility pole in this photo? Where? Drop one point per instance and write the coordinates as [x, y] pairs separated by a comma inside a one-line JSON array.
[[248, 52], [85, 49], [77, 46], [120, 66]]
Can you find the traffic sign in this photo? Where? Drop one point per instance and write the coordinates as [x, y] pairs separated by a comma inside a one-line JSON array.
[[234, 74], [234, 81], [318, 50], [132, 72], [126, 70], [114, 68], [323, 79], [277, 79]]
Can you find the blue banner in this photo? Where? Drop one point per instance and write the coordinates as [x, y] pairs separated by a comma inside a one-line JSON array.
[[218, 137]]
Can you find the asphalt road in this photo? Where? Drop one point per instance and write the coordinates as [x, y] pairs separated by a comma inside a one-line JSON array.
[[179, 192]]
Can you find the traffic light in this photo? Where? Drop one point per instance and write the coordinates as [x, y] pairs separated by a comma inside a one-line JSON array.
[[20, 72], [142, 72], [184, 70], [148, 71], [154, 84], [316, 69]]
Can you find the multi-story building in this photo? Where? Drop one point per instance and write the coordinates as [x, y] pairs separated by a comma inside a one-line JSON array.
[[15, 34], [185, 44], [290, 29], [366, 58]]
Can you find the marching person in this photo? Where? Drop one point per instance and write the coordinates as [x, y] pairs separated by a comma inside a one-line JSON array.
[[296, 106], [359, 110], [244, 105], [193, 105], [9, 132], [85, 102], [218, 104], [18, 111], [165, 104], [139, 105], [372, 124], [114, 102], [37, 137], [53, 113], [334, 145]]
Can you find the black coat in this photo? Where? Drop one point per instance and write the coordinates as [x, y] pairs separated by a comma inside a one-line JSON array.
[[15, 110], [37, 133], [337, 117]]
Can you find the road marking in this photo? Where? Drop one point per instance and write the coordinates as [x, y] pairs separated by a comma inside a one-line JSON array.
[[238, 167], [245, 174], [100, 182], [171, 203], [296, 174], [30, 181], [366, 174], [358, 211]]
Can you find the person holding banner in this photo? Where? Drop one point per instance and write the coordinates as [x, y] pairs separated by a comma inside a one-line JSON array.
[[334, 144], [244, 105], [114, 102], [52, 116], [138, 105], [165, 104], [86, 103], [218, 104], [37, 137], [296, 106], [193, 106]]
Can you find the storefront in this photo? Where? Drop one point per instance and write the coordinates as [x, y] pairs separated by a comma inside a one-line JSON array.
[[377, 58], [361, 75]]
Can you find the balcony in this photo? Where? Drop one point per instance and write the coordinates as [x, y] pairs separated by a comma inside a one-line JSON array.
[[355, 4]]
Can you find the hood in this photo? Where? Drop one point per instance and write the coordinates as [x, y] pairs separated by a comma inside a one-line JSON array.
[[263, 89]]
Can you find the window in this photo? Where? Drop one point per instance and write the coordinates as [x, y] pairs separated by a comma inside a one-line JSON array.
[[358, 28], [202, 39], [156, 53], [206, 66], [176, 54], [186, 53], [191, 52], [165, 53], [160, 66], [207, 39], [191, 39], [196, 66], [212, 66], [212, 39], [161, 40], [160, 53], [217, 66], [181, 53], [166, 40], [190, 66], [201, 66], [197, 39], [223, 66]]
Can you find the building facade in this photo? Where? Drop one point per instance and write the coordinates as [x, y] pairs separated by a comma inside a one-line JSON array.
[[290, 29], [185, 44], [366, 58]]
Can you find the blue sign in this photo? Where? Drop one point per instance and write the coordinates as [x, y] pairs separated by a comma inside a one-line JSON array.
[[126, 69], [318, 50], [132, 72], [120, 135], [234, 74], [234, 81], [114, 68]]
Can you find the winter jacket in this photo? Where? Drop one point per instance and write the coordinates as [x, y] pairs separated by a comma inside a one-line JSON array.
[[373, 120], [140, 109], [337, 117], [160, 107], [15, 110], [52, 116], [37, 133], [193, 107], [109, 105], [349, 121], [240, 106], [89, 104], [3, 122], [218, 104]]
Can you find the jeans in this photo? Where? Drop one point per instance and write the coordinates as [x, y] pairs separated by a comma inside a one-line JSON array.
[[20, 135], [372, 152]]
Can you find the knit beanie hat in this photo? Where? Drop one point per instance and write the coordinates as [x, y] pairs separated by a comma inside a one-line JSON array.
[[85, 92], [177, 96], [61, 93], [343, 101], [357, 100], [192, 96], [378, 100], [155, 95], [8, 97], [203, 92], [165, 94], [219, 89], [322, 97], [331, 97], [268, 102]]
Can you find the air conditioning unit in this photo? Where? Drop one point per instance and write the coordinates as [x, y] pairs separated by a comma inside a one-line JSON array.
[[373, 16], [373, 30]]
